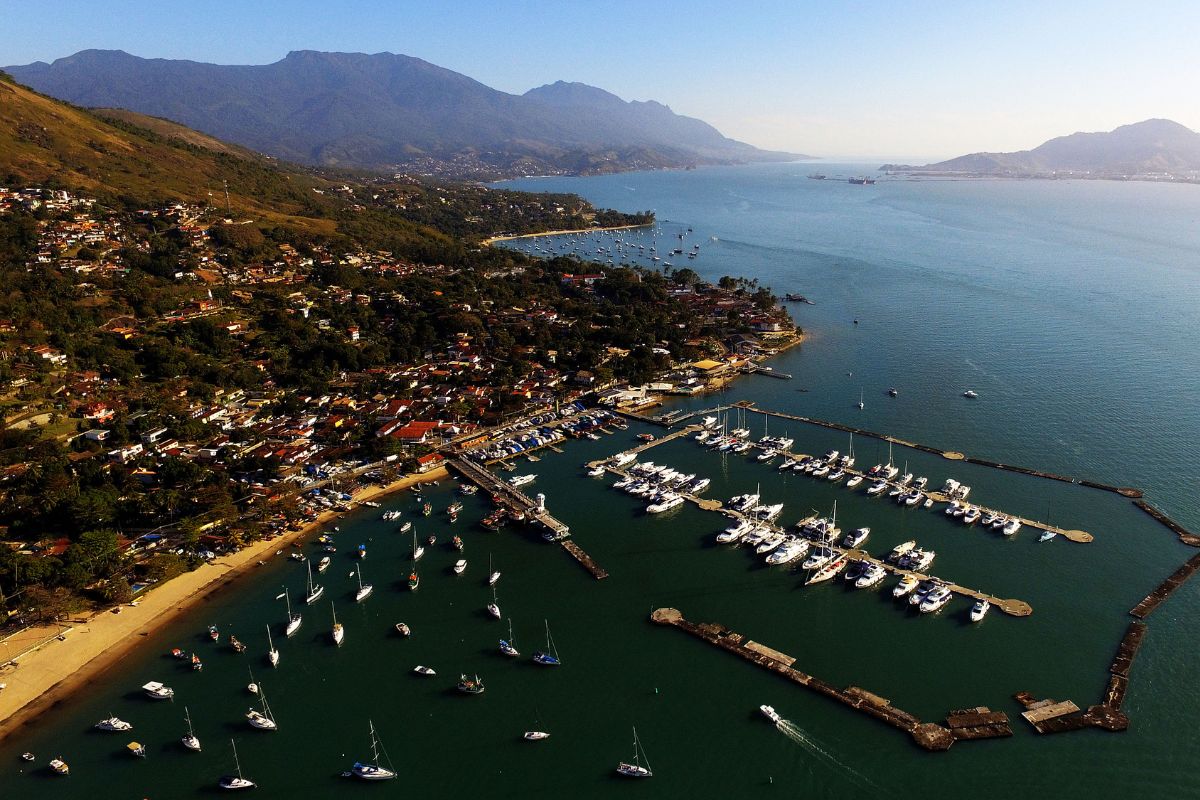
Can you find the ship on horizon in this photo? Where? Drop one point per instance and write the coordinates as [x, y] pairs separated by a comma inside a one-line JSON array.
[[862, 181]]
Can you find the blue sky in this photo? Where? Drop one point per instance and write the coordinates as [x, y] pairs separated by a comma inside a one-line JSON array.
[[897, 80]]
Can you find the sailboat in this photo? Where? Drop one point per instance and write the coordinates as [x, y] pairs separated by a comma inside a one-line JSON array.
[[189, 740], [236, 781], [548, 657], [507, 647], [315, 590], [493, 607], [373, 771], [418, 550], [294, 620], [861, 405], [339, 632], [364, 589], [263, 720], [272, 653], [493, 575], [535, 735], [636, 770]]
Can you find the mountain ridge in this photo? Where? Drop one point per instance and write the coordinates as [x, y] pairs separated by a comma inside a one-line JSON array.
[[387, 110]]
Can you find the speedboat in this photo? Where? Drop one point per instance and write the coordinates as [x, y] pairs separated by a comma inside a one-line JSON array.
[[113, 725], [877, 488], [854, 481], [871, 576], [770, 713], [535, 736], [403, 629], [970, 393], [906, 585], [979, 610], [856, 537], [426, 671], [156, 691], [460, 566], [934, 601]]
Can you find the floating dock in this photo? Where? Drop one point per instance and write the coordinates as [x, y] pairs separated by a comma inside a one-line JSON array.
[[928, 735]]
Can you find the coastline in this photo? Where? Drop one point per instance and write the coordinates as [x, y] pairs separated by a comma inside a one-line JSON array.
[[50, 673], [493, 239]]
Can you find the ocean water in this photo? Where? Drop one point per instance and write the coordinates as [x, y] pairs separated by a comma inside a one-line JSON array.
[[1067, 306]]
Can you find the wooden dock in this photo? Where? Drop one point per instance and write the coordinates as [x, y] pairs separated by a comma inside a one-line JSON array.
[[928, 735]]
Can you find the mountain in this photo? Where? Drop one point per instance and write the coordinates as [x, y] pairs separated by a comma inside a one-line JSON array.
[[45, 141], [1152, 147], [386, 110]]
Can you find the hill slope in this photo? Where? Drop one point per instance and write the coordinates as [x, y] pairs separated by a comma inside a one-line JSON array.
[[385, 109], [1152, 146]]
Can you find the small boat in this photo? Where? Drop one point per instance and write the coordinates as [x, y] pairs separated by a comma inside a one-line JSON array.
[[212, 633], [426, 509], [136, 749], [28, 757], [373, 770], [323, 564], [113, 725], [470, 685], [156, 691], [178, 653], [296, 556], [403, 629], [460, 566], [364, 589], [426, 671], [252, 687], [458, 543], [970, 393], [549, 656], [406, 527], [534, 736], [236, 644], [59, 767], [636, 770], [414, 580], [272, 653], [770, 713], [339, 631], [892, 392], [979, 610], [235, 781], [1047, 536], [432, 540], [646, 437], [189, 739]]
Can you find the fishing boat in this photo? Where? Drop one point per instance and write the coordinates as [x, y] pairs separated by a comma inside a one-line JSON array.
[[189, 740], [493, 608], [636, 770], [770, 713], [235, 781], [460, 566], [403, 629], [414, 579], [136, 749], [373, 770], [197, 665], [272, 653], [364, 589], [339, 631], [458, 543], [262, 720], [549, 656], [156, 691], [507, 646], [470, 685], [236, 644], [113, 725], [426, 671], [293, 619], [315, 590], [213, 634], [979, 610]]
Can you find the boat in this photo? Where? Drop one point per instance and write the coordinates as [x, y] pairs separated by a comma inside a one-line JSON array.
[[493, 607], [406, 527], [899, 551], [507, 647], [831, 568], [457, 542], [417, 550], [262, 720], [905, 586], [521, 480], [364, 589], [403, 629], [892, 392], [970, 516], [871, 576], [189, 739], [236, 644], [470, 685], [293, 619], [646, 437], [179, 653], [212, 633], [854, 481], [323, 564], [427, 509], [296, 556], [863, 181], [596, 472], [156, 691], [136, 749], [113, 725], [636, 770], [460, 566], [373, 770], [315, 590], [235, 781], [1047, 536], [970, 393], [856, 537], [535, 736], [339, 631], [28, 757], [59, 767], [979, 610], [861, 405], [1011, 527], [272, 653], [770, 713], [877, 488], [934, 601], [426, 671], [666, 502], [414, 580], [549, 656]]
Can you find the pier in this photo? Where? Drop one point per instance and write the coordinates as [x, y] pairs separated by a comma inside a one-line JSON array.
[[1185, 536], [928, 735], [1166, 588], [516, 501]]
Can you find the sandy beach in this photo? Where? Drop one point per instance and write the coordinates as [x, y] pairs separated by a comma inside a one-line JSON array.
[[494, 239], [47, 675]]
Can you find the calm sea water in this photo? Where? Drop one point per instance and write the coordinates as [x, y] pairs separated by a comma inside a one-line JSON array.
[[1067, 306]]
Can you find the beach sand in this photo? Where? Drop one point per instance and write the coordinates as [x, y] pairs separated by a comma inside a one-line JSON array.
[[489, 242], [48, 675]]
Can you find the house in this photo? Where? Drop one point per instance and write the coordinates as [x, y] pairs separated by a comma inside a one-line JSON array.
[[429, 462], [96, 435]]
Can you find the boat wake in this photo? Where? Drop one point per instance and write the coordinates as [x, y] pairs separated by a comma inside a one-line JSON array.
[[798, 735]]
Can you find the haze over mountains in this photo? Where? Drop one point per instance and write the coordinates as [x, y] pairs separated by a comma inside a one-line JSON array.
[[386, 110], [1152, 147]]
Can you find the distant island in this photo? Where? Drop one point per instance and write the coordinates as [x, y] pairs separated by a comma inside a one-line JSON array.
[[393, 112], [1156, 149]]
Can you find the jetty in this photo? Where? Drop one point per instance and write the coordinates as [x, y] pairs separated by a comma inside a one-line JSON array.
[[972, 724], [1166, 588]]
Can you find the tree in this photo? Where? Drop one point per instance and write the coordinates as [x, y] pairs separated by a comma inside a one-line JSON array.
[[117, 590], [49, 605]]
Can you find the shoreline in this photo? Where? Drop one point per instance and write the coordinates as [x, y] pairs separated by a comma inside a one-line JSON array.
[[493, 239], [50, 673]]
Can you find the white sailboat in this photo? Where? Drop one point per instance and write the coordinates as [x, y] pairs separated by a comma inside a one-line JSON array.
[[373, 770], [272, 653], [861, 405], [189, 740], [315, 590], [508, 646], [493, 575], [493, 607], [364, 589], [235, 781], [636, 770], [417, 550], [263, 720], [339, 631], [293, 619]]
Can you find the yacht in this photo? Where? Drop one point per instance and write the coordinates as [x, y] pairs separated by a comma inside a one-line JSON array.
[[770, 713], [988, 518], [917, 560], [833, 567], [767, 455], [934, 601], [272, 653], [836, 475], [534, 736], [999, 522], [821, 471], [736, 532], [668, 501], [493, 608], [549, 656], [871, 576], [113, 725], [372, 770], [923, 588], [364, 589], [899, 551], [294, 619], [788, 552], [596, 472], [235, 781], [263, 720], [699, 485], [426, 671], [906, 585], [971, 515], [1011, 527], [954, 508], [507, 646], [767, 512], [460, 566], [156, 691], [521, 480], [913, 498], [403, 629], [854, 481], [856, 537], [877, 488], [979, 610], [1047, 536], [769, 543], [59, 767], [743, 502]]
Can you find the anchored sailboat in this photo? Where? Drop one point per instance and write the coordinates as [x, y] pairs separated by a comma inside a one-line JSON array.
[[315, 590], [374, 770], [339, 632], [236, 781], [263, 720], [294, 619], [636, 770], [364, 589], [272, 653], [507, 646], [189, 740], [548, 657]]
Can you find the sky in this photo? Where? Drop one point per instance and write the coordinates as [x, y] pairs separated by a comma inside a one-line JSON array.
[[900, 80]]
